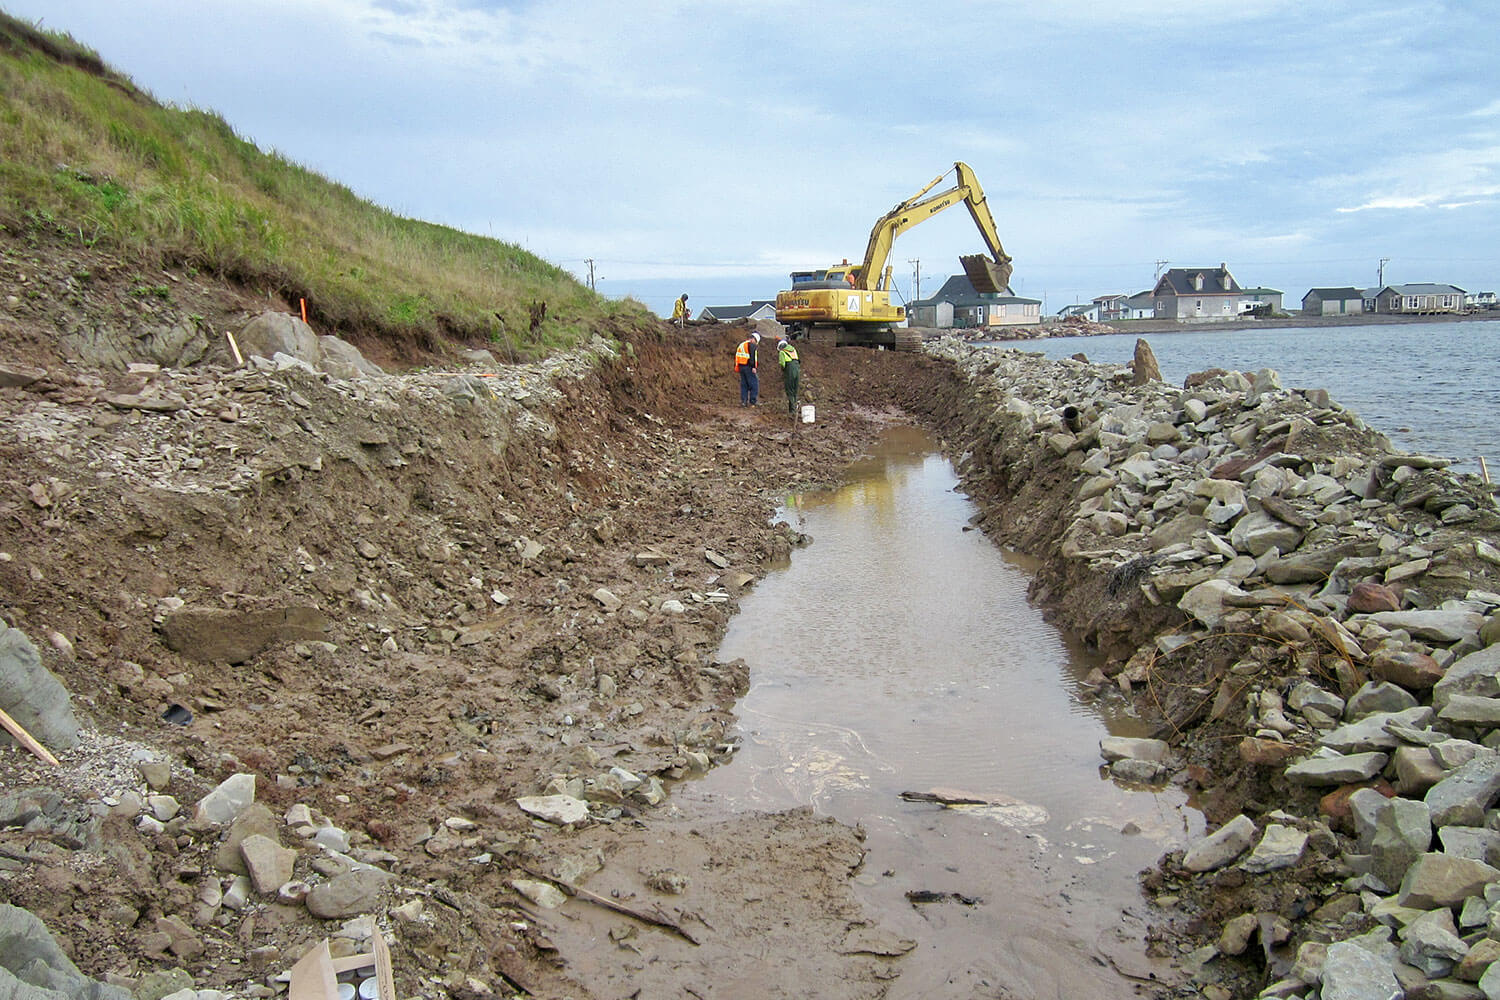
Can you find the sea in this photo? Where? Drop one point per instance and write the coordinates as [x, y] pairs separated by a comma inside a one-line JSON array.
[[1429, 387]]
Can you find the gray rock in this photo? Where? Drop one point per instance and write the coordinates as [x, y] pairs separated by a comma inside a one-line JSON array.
[[1379, 696], [1476, 674], [1462, 797], [1372, 732], [347, 895], [1138, 772], [343, 360], [1336, 770], [1222, 846], [1471, 710], [1474, 842], [34, 967], [1403, 832], [1438, 626], [1435, 880], [224, 803], [268, 863], [1308, 695], [1365, 806], [1352, 973], [1206, 601], [32, 695], [1432, 944], [1258, 532], [1280, 847], [560, 809], [1115, 748]]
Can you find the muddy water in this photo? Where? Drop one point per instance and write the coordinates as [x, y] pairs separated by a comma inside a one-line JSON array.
[[898, 653]]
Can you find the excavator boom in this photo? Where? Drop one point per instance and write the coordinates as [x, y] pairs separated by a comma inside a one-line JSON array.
[[987, 275]]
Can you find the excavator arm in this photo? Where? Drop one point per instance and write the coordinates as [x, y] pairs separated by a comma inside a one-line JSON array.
[[987, 274]]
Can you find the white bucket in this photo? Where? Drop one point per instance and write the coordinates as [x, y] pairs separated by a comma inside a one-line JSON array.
[[808, 413]]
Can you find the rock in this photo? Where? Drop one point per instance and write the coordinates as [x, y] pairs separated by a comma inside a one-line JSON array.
[[1352, 973], [267, 862], [1139, 772], [1267, 753], [544, 894], [1477, 674], [1308, 695], [1235, 936], [1408, 668], [1369, 598], [1481, 954], [1336, 770], [347, 895], [561, 809], [1435, 880], [228, 635], [1257, 533], [1381, 696], [273, 333], [1222, 846], [1280, 847], [1476, 843], [715, 560], [1373, 731], [32, 695], [1437, 626], [1115, 748], [1403, 832], [1432, 944], [227, 801], [343, 360], [1472, 710], [1206, 601], [1143, 367], [607, 600], [34, 967], [1462, 798]]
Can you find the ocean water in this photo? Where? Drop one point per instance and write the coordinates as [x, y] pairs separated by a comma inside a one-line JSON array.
[[1429, 387]]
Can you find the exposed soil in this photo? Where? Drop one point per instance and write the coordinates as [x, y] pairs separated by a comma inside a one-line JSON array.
[[387, 606]]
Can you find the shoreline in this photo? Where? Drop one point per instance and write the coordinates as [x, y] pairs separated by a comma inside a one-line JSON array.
[[1055, 331]]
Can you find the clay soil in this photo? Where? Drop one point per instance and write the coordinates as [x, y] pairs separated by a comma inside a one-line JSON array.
[[442, 651]]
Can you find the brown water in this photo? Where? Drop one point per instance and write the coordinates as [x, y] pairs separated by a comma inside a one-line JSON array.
[[898, 652]]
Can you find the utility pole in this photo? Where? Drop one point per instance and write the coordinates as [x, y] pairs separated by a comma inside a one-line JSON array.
[[1380, 272], [916, 291], [1159, 265], [590, 262]]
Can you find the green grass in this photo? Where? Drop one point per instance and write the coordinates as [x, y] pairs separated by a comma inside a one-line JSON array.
[[86, 154]]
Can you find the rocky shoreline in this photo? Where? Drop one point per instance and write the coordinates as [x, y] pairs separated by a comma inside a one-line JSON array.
[[1311, 615]]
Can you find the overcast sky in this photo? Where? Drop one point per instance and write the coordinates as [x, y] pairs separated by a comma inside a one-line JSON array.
[[712, 147]]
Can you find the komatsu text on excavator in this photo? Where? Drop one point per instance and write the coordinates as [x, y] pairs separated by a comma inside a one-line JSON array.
[[851, 303]]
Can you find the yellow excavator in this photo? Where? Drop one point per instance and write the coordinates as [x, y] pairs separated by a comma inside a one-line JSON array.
[[851, 303]]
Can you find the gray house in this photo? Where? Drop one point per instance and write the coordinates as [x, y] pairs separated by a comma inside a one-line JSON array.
[[1333, 302], [1197, 293], [758, 309], [1253, 298], [1422, 297], [957, 304]]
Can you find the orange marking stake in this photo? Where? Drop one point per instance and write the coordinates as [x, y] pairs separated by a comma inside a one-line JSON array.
[[304, 309]]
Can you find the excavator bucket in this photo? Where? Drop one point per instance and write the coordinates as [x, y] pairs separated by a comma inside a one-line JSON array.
[[987, 275]]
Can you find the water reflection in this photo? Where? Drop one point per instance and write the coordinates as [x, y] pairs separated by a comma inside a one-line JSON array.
[[899, 653]]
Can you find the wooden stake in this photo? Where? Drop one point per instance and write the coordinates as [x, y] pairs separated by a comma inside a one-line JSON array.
[[656, 919], [239, 359], [26, 739], [304, 309], [1484, 471]]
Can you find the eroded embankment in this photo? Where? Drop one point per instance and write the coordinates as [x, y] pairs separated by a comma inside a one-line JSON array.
[[1309, 616]]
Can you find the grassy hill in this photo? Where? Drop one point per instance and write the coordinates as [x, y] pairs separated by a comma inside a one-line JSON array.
[[87, 156]]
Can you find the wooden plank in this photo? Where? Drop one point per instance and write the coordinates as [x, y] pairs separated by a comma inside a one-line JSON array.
[[26, 739]]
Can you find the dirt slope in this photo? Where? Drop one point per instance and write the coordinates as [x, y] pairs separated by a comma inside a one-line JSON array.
[[384, 600]]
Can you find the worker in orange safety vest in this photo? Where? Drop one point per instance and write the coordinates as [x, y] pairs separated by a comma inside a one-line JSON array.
[[745, 364]]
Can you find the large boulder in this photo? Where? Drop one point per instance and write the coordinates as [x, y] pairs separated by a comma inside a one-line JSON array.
[[273, 333], [32, 695], [33, 967]]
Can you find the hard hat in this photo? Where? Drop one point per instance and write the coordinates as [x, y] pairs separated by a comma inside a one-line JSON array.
[[756, 334]]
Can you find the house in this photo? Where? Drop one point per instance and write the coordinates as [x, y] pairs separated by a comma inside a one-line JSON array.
[[1141, 305], [1084, 310], [1333, 302], [1110, 307], [1256, 298], [1197, 293], [1422, 297], [957, 304], [758, 309], [1481, 300]]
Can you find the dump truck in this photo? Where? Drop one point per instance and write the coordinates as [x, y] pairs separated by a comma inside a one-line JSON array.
[[851, 303]]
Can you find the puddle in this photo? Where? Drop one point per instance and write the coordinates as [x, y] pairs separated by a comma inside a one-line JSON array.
[[898, 653]]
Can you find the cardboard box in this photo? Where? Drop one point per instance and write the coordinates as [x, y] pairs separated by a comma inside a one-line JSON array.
[[317, 974]]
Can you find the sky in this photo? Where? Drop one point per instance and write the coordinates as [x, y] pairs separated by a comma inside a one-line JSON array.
[[712, 147]]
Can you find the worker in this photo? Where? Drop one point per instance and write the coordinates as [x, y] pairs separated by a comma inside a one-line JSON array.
[[680, 311], [791, 372], [745, 364]]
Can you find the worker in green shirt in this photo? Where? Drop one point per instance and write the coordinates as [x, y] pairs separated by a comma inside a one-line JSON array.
[[791, 372]]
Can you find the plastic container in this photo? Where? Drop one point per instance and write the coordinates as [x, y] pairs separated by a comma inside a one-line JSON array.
[[809, 414]]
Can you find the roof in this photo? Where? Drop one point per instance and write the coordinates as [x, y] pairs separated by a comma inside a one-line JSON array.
[[1422, 288], [1179, 281], [737, 312], [959, 291], [1260, 291], [1327, 294]]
